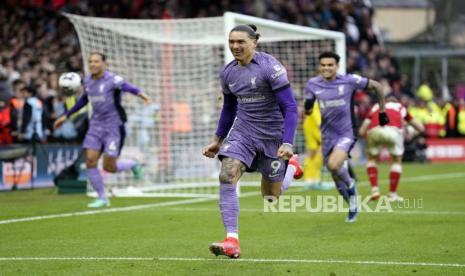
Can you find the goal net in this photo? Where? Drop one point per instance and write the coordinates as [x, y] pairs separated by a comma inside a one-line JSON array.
[[177, 62]]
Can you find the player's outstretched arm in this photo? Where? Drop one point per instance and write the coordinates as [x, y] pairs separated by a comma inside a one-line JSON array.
[[147, 100], [377, 88], [228, 113], [128, 87], [83, 100]]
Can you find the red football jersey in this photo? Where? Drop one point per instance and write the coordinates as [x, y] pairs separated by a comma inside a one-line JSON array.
[[395, 111]]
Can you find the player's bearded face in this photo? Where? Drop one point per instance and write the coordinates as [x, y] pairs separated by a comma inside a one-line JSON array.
[[96, 64], [328, 68], [241, 45]]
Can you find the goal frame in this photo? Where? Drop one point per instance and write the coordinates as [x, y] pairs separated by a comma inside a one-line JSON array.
[[286, 32]]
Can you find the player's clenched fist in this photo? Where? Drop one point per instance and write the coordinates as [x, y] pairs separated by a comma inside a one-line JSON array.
[[211, 150], [285, 151]]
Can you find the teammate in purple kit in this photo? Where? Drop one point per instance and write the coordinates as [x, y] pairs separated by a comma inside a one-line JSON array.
[[255, 130], [106, 131], [334, 94]]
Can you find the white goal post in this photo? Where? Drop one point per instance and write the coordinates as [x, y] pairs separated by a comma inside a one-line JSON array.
[[177, 62]]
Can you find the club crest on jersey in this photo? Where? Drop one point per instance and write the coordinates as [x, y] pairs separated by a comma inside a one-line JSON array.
[[101, 88], [341, 89], [253, 82]]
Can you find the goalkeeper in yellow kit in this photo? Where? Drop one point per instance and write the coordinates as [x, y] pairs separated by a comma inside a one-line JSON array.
[[313, 163]]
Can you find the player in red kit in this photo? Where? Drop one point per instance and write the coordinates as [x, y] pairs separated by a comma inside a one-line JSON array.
[[390, 136]]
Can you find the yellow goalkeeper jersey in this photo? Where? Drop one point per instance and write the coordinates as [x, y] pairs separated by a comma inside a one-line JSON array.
[[311, 128]]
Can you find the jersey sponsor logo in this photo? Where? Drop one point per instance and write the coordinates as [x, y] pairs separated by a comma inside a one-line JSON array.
[[101, 88], [251, 98], [331, 103], [253, 82], [96, 99], [341, 89]]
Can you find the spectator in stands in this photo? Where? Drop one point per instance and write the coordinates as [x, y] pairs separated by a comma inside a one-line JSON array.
[[5, 87], [67, 132], [461, 118], [6, 111], [31, 125], [425, 92], [38, 43]]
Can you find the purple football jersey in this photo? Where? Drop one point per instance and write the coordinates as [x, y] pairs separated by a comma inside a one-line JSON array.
[[258, 113], [105, 96], [335, 99]]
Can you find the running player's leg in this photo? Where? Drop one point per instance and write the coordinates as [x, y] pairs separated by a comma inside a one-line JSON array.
[[274, 170], [276, 174], [338, 166], [312, 165], [375, 142], [313, 161], [93, 145], [394, 177], [237, 154], [373, 149], [396, 150], [339, 172], [231, 170], [293, 171], [372, 172], [270, 190], [93, 173]]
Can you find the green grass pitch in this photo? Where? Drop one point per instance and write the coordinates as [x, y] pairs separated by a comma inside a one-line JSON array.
[[174, 239]]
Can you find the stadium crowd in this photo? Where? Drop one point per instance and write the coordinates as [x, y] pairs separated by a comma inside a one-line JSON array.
[[38, 44]]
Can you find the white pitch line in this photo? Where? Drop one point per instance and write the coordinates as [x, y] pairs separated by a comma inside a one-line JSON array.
[[120, 209], [420, 178], [178, 259], [257, 210], [198, 200], [109, 210], [433, 213]]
